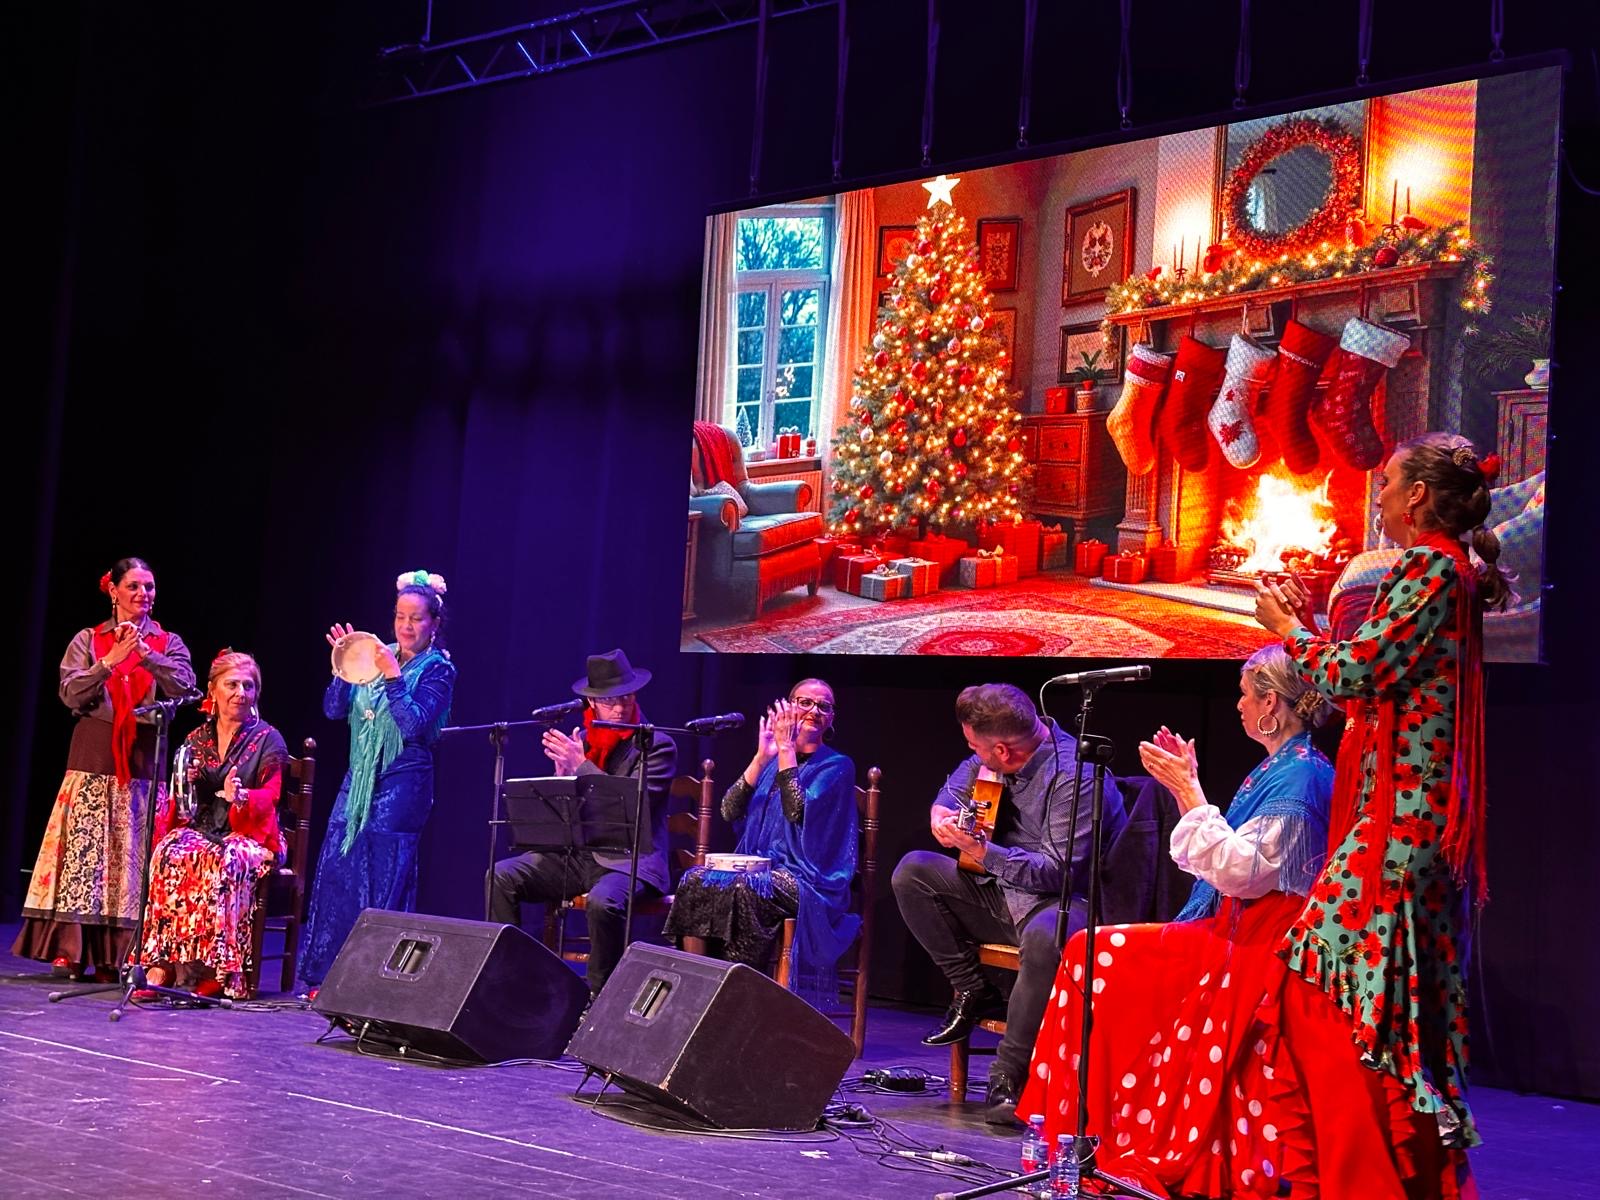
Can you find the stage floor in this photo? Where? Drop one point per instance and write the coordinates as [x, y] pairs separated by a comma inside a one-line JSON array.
[[242, 1103]]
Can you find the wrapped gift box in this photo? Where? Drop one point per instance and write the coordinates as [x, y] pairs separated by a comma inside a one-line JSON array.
[[848, 570], [1057, 400], [1127, 567], [891, 545], [1174, 564], [1053, 550], [921, 574], [1089, 555], [1009, 569], [946, 551], [828, 546], [1020, 540], [981, 570], [883, 584], [789, 443]]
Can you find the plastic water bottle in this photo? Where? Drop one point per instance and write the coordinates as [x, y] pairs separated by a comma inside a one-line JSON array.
[[1036, 1154], [1064, 1173]]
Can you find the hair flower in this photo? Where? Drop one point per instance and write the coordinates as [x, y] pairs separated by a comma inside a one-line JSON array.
[[424, 579], [1490, 467]]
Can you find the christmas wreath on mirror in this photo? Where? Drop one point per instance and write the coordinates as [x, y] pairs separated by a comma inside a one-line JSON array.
[[1327, 221]]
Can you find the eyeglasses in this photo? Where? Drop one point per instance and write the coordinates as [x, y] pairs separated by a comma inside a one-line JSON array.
[[825, 707], [613, 701]]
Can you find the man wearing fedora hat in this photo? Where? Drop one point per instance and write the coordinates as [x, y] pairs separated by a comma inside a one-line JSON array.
[[610, 688]]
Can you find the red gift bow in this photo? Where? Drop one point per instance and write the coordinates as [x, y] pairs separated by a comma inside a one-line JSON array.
[[1490, 467]]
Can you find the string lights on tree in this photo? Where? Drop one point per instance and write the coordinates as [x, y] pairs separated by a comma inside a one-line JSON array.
[[934, 438]]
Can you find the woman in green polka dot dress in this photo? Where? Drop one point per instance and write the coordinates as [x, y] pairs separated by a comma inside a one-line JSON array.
[[1384, 933]]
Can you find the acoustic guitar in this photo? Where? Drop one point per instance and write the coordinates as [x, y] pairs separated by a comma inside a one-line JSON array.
[[979, 814]]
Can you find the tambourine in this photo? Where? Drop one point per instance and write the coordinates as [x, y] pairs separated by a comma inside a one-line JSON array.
[[355, 657]]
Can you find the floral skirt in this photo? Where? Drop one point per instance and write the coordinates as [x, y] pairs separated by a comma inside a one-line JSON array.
[[83, 897], [739, 909], [202, 903]]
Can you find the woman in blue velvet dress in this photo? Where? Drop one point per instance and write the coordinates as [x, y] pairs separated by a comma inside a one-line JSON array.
[[369, 854], [797, 801]]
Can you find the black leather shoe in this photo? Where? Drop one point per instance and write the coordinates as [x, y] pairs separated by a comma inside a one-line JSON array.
[[1000, 1101], [965, 1011]]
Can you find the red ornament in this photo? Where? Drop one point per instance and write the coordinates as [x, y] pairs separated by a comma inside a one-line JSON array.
[[909, 403], [898, 428], [960, 438], [881, 359], [924, 247], [897, 488], [919, 371], [967, 376], [899, 396], [942, 279], [1014, 444], [925, 333], [1355, 231], [936, 296], [1148, 300], [866, 492], [853, 515], [959, 470], [1386, 256], [900, 447]]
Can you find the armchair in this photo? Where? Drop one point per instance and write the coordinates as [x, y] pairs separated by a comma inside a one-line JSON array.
[[743, 561]]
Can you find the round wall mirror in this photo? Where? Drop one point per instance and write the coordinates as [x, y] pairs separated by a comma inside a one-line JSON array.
[[1293, 187]]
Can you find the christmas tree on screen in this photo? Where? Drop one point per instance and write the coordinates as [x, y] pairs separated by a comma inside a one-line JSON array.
[[933, 438]]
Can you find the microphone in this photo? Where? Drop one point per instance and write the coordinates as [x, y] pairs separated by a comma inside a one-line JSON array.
[[726, 721], [559, 712], [171, 704], [1108, 675]]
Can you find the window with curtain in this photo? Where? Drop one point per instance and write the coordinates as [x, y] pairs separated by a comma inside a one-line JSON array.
[[780, 316]]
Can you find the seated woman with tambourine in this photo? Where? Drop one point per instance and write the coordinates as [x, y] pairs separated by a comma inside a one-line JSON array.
[[797, 801], [216, 836]]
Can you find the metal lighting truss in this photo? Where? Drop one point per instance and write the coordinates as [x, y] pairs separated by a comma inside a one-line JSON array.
[[588, 35]]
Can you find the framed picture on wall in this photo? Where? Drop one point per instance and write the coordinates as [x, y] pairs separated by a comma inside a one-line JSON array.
[[1005, 327], [1087, 341], [998, 238], [894, 243], [1098, 249]]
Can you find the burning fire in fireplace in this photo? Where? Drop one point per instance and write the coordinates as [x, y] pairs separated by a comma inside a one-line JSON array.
[[1283, 525]]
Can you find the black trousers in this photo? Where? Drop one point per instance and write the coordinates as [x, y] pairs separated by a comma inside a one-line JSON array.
[[952, 913], [552, 878]]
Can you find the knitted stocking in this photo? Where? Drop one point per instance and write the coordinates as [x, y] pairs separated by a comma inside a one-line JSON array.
[[1196, 379], [1231, 421], [1132, 422], [1302, 354], [1344, 413]]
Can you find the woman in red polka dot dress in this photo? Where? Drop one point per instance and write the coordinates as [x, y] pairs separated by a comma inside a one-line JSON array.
[[1383, 936], [1183, 1073]]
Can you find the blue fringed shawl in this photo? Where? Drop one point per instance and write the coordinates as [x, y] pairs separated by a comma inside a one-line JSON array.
[[1296, 784], [820, 853]]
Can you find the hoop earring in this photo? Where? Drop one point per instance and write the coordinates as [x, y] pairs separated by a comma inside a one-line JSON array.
[[1263, 730], [827, 734]]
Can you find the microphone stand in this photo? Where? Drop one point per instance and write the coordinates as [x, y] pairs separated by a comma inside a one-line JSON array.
[[130, 974], [497, 731], [1099, 750]]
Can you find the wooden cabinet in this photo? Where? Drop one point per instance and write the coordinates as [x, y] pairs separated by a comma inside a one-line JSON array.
[[1077, 472], [1524, 417]]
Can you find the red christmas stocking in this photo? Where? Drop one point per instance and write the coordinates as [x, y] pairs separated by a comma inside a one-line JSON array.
[[1231, 421], [1196, 379], [1302, 354], [1344, 412], [1132, 423]]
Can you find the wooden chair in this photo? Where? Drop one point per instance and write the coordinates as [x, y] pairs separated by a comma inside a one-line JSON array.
[[689, 832], [864, 901], [1139, 883], [281, 895]]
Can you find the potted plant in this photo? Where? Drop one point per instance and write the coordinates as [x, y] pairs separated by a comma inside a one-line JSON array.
[[1088, 376], [1526, 339]]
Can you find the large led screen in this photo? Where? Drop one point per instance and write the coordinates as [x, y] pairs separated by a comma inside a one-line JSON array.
[[1077, 405]]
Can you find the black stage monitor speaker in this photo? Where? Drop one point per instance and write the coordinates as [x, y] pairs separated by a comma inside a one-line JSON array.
[[457, 989], [718, 1039]]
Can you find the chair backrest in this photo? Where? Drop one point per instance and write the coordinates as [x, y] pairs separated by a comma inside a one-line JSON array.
[[731, 451], [689, 829], [1140, 880], [294, 811]]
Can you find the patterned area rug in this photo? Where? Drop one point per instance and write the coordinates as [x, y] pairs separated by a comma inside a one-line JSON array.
[[1048, 616]]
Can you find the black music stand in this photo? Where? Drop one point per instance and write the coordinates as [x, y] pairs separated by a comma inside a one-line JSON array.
[[571, 815]]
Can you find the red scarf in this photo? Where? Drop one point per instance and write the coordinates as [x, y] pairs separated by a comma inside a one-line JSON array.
[[128, 685], [599, 743], [1464, 835]]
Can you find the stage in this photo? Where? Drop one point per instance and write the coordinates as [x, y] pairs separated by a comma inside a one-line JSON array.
[[244, 1103]]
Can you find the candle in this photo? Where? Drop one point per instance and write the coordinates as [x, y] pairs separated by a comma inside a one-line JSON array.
[[1394, 198], [1197, 254], [1183, 249], [1408, 199], [1174, 258]]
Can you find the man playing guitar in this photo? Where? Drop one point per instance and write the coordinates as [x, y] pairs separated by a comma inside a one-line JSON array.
[[1008, 881]]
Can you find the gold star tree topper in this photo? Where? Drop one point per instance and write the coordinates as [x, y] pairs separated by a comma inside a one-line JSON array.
[[939, 190]]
